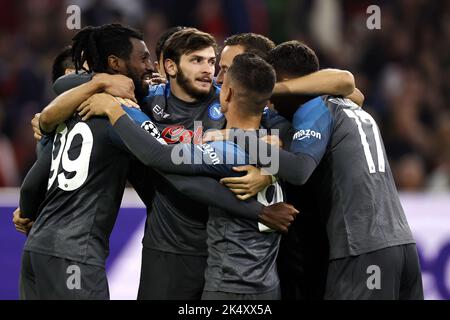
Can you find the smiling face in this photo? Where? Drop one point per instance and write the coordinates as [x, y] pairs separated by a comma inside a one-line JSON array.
[[194, 73], [139, 67], [226, 59]]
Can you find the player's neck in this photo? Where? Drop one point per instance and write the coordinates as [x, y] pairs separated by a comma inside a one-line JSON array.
[[244, 122], [180, 93]]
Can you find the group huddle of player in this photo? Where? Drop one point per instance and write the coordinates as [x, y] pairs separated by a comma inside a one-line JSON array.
[[221, 227]]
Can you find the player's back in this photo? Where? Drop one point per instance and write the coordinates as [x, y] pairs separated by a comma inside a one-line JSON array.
[[86, 183], [354, 186], [241, 258]]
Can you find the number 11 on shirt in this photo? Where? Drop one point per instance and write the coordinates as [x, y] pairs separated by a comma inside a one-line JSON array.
[[361, 117]]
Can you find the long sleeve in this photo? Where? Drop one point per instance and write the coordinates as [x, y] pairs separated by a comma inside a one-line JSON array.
[[34, 186], [184, 159], [70, 81], [208, 191]]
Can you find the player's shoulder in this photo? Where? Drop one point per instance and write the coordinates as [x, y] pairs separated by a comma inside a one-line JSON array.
[[144, 121], [211, 107], [158, 90], [228, 150], [272, 119], [94, 129], [76, 122], [333, 101], [216, 87], [213, 96], [135, 113], [314, 108], [269, 113]]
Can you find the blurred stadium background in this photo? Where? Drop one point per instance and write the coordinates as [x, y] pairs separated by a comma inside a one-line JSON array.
[[403, 69]]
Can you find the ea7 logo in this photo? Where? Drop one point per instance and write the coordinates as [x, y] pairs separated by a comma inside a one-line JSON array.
[[374, 281], [306, 134], [160, 112]]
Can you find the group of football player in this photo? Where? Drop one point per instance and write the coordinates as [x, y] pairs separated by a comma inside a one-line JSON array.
[[327, 224]]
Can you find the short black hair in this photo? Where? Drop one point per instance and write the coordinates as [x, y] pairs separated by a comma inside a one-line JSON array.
[[62, 62], [252, 42], [163, 38], [186, 41], [256, 77], [293, 58], [94, 44]]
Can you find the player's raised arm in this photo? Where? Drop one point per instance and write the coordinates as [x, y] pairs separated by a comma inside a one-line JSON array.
[[144, 146], [296, 165], [63, 106], [325, 81]]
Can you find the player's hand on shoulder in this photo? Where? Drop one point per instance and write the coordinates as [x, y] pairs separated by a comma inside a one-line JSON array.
[[278, 216], [116, 85], [357, 97], [97, 105], [127, 102], [22, 225], [156, 79], [35, 126]]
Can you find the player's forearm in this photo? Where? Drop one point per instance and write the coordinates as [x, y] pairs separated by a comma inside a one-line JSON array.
[[115, 113], [63, 106], [295, 168], [30, 197], [210, 192], [34, 186], [326, 81]]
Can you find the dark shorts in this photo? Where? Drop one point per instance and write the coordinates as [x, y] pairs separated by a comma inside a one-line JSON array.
[[388, 274], [302, 261], [218, 295], [52, 278], [169, 276]]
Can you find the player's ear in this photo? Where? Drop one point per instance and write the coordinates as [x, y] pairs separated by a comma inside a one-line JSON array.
[[170, 67], [159, 68], [229, 94], [115, 63], [224, 107]]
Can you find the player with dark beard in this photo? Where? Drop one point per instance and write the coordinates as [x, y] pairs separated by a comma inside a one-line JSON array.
[[61, 236], [242, 259], [189, 55]]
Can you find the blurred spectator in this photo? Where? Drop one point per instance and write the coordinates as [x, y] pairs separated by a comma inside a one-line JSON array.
[[402, 69], [410, 173], [211, 18], [9, 176], [155, 23], [439, 179]]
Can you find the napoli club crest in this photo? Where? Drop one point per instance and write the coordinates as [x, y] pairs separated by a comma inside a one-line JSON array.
[[214, 111]]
